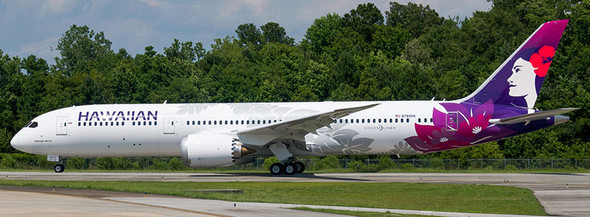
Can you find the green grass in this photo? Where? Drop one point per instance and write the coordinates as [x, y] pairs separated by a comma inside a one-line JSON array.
[[414, 196], [357, 213]]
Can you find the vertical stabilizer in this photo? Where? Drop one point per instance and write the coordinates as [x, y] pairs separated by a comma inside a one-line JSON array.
[[518, 80]]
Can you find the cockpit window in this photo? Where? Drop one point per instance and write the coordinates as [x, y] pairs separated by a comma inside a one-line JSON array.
[[33, 125], [27, 125]]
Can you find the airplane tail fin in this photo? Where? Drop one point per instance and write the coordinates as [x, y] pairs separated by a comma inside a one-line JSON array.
[[516, 83]]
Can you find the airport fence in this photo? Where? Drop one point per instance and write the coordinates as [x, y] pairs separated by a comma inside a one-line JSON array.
[[383, 163]]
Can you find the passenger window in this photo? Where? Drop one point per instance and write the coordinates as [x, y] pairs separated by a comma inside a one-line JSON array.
[[430, 120], [187, 122], [407, 120], [401, 120], [225, 122], [193, 122], [418, 120]]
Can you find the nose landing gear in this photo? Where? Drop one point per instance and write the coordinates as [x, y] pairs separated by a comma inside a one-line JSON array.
[[59, 168]]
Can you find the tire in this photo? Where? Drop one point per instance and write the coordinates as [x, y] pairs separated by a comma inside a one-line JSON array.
[[300, 167], [290, 169], [277, 169], [59, 168]]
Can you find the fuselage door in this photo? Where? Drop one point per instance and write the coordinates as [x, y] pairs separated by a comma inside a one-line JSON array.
[[452, 121], [61, 126], [169, 125]]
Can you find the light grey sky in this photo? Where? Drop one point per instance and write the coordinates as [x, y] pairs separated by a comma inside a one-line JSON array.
[[34, 27]]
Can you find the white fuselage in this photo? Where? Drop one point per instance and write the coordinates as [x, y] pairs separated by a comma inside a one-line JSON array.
[[139, 130]]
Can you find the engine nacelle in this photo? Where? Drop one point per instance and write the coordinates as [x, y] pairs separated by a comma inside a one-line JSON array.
[[211, 149]]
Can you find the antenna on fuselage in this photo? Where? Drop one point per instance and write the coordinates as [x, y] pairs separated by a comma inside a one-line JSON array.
[[165, 101]]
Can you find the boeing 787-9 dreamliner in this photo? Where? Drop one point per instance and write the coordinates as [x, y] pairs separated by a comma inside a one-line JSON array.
[[222, 134]]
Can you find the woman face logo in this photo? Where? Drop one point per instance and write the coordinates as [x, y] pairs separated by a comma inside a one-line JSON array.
[[522, 81]]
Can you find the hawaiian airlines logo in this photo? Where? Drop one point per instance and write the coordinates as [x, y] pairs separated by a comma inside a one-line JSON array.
[[526, 69], [118, 116]]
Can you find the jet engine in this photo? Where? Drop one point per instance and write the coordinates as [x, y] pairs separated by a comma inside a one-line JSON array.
[[211, 149]]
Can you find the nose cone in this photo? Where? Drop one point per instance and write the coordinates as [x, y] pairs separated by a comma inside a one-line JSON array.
[[15, 142]]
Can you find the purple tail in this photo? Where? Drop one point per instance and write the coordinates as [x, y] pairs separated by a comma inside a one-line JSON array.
[[516, 83]]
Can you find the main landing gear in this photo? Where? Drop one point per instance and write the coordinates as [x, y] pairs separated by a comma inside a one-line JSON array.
[[287, 168]]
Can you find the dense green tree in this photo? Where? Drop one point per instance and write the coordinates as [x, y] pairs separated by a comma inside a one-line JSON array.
[[410, 54], [273, 32], [416, 18], [249, 33]]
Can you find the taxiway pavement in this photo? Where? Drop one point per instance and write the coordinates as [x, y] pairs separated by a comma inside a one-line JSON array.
[[560, 194]]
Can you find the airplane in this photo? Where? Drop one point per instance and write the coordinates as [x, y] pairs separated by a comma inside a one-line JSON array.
[[209, 135]]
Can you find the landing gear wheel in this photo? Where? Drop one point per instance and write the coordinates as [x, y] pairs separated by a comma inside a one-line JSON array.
[[59, 168], [290, 169], [277, 168], [300, 167]]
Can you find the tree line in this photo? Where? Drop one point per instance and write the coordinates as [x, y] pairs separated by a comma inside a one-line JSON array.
[[408, 52]]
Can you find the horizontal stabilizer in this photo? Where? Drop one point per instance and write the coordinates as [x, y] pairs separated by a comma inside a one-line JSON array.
[[533, 116]]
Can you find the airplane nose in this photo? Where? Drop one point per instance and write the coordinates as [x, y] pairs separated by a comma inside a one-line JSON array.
[[15, 142]]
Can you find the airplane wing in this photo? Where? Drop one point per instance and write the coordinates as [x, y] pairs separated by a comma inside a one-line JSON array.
[[533, 116], [295, 129]]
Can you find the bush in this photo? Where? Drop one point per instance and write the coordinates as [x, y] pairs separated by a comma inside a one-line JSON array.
[[159, 165], [104, 163], [408, 166], [511, 167], [76, 163], [176, 164], [269, 161], [357, 165], [8, 162], [385, 162], [437, 163], [329, 162], [122, 163]]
